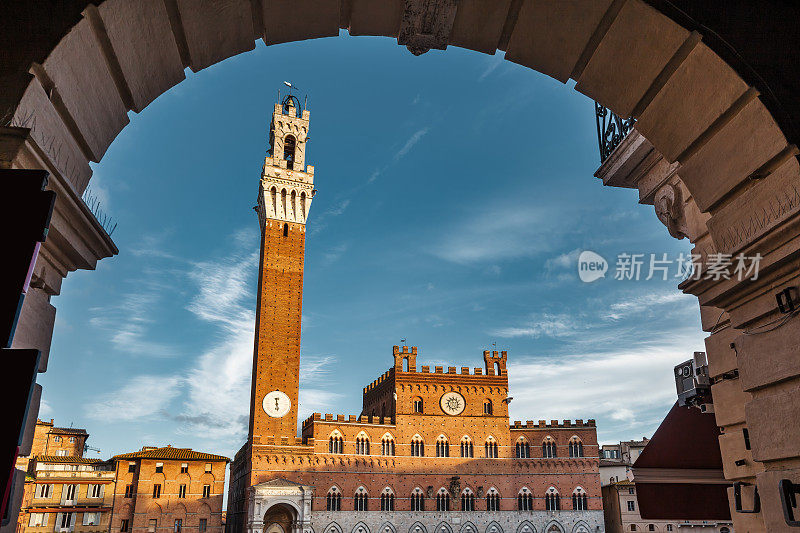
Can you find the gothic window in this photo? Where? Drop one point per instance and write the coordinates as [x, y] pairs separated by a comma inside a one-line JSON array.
[[523, 448], [490, 448], [274, 194], [525, 500], [575, 447], [492, 500], [289, 145], [362, 444], [467, 500], [387, 500], [334, 500], [294, 205], [336, 443], [302, 205], [417, 405], [387, 445], [417, 500], [466, 447], [417, 447], [442, 447], [552, 500], [283, 208], [487, 407], [442, 500], [360, 500], [579, 499], [286, 230], [549, 448]]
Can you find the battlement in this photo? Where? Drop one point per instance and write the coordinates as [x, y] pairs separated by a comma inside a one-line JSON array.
[[405, 360], [541, 424], [381, 379], [352, 419]]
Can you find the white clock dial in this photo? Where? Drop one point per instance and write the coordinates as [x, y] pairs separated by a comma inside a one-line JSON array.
[[276, 404], [452, 403]]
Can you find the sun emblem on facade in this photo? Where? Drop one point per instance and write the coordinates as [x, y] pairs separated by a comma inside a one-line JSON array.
[[452, 403]]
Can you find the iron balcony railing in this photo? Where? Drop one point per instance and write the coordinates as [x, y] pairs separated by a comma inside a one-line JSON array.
[[611, 129]]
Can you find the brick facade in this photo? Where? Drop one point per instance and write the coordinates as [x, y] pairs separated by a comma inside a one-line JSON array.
[[168, 490], [385, 469]]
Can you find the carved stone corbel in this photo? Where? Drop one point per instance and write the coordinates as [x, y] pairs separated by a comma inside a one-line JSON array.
[[426, 24], [668, 203]]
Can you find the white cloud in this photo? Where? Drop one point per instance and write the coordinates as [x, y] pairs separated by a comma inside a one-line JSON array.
[[647, 303], [414, 139], [332, 254], [498, 233], [494, 62], [143, 396], [565, 260], [547, 325]]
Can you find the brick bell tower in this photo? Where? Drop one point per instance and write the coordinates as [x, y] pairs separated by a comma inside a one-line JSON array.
[[284, 199]]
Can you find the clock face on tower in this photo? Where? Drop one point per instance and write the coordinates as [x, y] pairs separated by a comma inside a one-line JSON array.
[[276, 404], [452, 403]]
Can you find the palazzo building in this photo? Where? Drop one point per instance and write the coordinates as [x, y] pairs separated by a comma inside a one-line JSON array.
[[432, 451]]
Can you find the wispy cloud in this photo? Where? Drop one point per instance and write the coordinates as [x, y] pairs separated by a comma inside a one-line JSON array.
[[648, 303], [321, 220], [332, 254], [498, 233], [494, 62], [414, 139], [547, 325], [143, 396]]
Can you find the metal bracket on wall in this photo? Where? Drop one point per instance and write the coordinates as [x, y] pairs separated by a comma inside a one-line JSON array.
[[786, 302], [789, 501], [737, 498]]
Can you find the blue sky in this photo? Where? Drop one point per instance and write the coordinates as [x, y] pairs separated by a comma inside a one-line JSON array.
[[455, 193]]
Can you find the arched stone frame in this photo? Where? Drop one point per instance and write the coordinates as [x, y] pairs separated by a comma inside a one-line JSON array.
[[360, 527], [333, 527], [386, 527], [580, 491], [97, 114], [388, 444], [581, 527], [363, 443], [417, 527], [333, 492], [494, 527], [468, 527], [443, 527], [554, 526], [387, 491], [442, 446], [526, 527]]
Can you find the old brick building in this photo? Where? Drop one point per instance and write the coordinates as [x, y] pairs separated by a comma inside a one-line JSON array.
[[168, 489], [431, 451], [64, 491]]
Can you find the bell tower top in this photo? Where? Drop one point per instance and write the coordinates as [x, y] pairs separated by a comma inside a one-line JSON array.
[[287, 183]]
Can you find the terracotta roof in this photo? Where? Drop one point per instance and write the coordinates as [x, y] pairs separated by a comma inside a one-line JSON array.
[[67, 459], [168, 452], [70, 431]]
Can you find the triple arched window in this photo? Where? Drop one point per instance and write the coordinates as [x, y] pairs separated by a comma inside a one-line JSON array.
[[466, 447], [333, 500], [575, 447], [361, 500], [442, 446], [336, 443], [579, 499], [491, 448], [552, 500], [492, 500], [417, 500], [387, 500], [443, 500], [523, 448], [362, 444], [387, 445], [525, 500], [549, 448], [417, 447], [467, 500]]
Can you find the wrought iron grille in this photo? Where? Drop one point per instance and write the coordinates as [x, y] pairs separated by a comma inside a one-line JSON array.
[[611, 129]]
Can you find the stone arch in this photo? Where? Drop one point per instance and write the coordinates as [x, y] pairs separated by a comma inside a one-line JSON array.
[[494, 527], [360, 527], [387, 527], [526, 527], [333, 527], [78, 116], [581, 527], [443, 527], [554, 526], [417, 527], [468, 527]]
